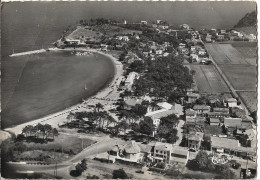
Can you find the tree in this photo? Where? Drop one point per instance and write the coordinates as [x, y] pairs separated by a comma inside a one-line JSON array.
[[119, 174], [172, 136], [146, 127], [123, 125], [135, 127], [98, 107], [203, 160], [139, 109]]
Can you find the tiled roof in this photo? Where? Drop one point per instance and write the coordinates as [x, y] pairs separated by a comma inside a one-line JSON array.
[[162, 146], [132, 147], [179, 151], [190, 112], [165, 105], [195, 136], [221, 110], [198, 107], [132, 101], [232, 122]]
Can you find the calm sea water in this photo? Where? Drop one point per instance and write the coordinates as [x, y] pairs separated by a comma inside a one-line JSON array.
[[51, 82]]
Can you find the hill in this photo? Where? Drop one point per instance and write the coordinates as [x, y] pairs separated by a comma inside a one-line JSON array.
[[250, 19]]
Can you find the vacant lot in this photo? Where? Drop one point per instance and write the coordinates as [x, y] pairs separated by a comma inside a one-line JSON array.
[[242, 77], [85, 34], [250, 99], [208, 79], [225, 54]]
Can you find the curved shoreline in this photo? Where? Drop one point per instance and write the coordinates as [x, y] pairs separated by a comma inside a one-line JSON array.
[[57, 118]]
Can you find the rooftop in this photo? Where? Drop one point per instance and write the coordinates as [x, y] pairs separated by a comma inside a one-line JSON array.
[[232, 122], [160, 113], [165, 105], [220, 109], [190, 112], [226, 143], [132, 101], [162, 146], [199, 107], [195, 136], [214, 120]]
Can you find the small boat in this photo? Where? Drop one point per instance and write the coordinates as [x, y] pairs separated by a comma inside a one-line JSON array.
[[85, 87]]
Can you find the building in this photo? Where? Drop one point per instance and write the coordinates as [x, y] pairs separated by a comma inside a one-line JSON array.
[[144, 22], [201, 109], [169, 154], [220, 37], [155, 116], [232, 124], [185, 26], [218, 114], [165, 105], [214, 121], [194, 140], [130, 80], [231, 102], [223, 145], [194, 57], [190, 114], [223, 110], [192, 97], [72, 41], [130, 152], [202, 52]]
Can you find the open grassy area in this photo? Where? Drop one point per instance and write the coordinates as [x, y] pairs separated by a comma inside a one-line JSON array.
[[212, 130], [242, 77], [208, 79], [85, 34], [64, 142], [250, 99]]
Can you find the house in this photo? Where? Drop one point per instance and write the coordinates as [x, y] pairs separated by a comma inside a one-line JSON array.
[[230, 146], [232, 124], [183, 50], [192, 97], [130, 152], [169, 154], [223, 110], [218, 114], [202, 52], [214, 121], [252, 37], [194, 140], [223, 145], [165, 54], [130, 80], [194, 57], [201, 109], [144, 22], [185, 26], [197, 122], [125, 38], [190, 114], [158, 51], [165, 105], [222, 31], [231, 102], [104, 47], [72, 41], [131, 102], [220, 37]]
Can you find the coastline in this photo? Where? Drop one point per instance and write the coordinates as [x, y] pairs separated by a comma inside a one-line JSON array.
[[105, 96]]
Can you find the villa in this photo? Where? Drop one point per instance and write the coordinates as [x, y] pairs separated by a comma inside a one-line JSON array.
[[170, 154], [201, 109], [194, 140], [130, 152]]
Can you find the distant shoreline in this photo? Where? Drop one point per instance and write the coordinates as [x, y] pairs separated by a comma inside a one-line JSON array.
[[60, 116]]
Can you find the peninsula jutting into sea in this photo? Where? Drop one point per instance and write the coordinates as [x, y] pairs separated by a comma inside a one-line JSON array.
[[114, 98]]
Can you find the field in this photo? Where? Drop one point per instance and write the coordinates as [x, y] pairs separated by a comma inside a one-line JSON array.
[[237, 60], [66, 142], [250, 99], [208, 79], [85, 35], [242, 77]]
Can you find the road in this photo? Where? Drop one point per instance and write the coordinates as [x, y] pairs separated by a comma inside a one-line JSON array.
[[103, 145]]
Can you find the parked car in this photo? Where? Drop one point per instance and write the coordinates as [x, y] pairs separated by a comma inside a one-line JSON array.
[[139, 171]]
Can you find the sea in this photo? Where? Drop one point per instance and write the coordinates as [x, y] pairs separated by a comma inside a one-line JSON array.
[[37, 85]]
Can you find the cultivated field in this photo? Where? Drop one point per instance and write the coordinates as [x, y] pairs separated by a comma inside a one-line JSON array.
[[208, 79], [225, 54], [248, 50], [250, 99], [242, 77]]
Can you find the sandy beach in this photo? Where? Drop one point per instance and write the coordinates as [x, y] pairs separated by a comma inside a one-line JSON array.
[[107, 97]]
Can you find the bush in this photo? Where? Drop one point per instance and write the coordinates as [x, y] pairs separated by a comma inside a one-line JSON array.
[[92, 177], [119, 174], [193, 176], [75, 173]]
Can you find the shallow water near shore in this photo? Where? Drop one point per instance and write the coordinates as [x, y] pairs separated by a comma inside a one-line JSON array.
[[37, 85]]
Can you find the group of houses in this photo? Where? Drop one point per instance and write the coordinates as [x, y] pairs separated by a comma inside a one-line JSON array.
[[213, 35], [198, 115], [157, 152]]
